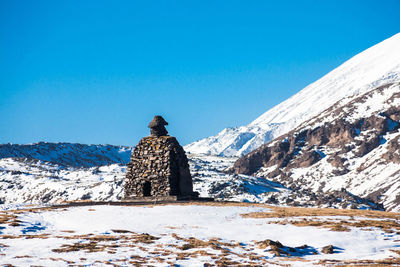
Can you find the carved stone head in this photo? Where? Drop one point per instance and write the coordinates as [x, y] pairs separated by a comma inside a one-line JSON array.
[[157, 126]]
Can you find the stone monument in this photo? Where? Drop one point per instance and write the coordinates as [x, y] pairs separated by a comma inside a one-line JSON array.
[[159, 167]]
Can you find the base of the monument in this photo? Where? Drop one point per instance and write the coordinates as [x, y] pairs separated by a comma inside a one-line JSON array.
[[167, 198], [136, 201]]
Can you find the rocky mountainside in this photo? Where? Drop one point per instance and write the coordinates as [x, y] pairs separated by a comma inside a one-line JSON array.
[[53, 173], [376, 66], [354, 144]]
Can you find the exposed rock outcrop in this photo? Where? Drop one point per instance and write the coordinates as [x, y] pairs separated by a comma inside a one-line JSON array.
[[345, 143]]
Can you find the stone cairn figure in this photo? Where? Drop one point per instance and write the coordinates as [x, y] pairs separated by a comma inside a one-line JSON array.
[[157, 126], [158, 167]]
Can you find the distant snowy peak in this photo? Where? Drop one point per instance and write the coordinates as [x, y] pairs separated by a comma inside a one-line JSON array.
[[67, 154], [376, 66]]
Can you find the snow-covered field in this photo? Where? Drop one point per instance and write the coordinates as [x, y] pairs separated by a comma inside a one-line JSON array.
[[195, 234]]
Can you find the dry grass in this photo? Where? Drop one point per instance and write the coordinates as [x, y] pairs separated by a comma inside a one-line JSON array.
[[39, 236], [11, 236], [24, 256], [67, 231], [358, 263], [276, 212], [388, 226], [9, 218], [95, 243], [61, 259], [222, 252], [284, 212], [332, 225], [92, 246]]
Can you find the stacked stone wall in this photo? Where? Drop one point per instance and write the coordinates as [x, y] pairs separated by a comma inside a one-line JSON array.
[[162, 163]]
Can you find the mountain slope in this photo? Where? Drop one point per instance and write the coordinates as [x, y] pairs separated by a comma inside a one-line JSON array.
[[355, 144], [378, 65]]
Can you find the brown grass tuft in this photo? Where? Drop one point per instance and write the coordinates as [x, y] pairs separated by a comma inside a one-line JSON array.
[[283, 212], [92, 246]]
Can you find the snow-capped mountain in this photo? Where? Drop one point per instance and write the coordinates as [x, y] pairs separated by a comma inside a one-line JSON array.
[[355, 144], [376, 66]]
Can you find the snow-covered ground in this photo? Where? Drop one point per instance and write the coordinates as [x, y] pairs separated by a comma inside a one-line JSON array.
[[186, 235], [376, 66], [210, 180], [34, 181]]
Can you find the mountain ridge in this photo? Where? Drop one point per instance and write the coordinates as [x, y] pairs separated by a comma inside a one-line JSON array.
[[377, 65], [353, 144], [68, 154]]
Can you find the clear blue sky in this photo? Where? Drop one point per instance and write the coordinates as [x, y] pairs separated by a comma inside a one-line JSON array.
[[98, 71]]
